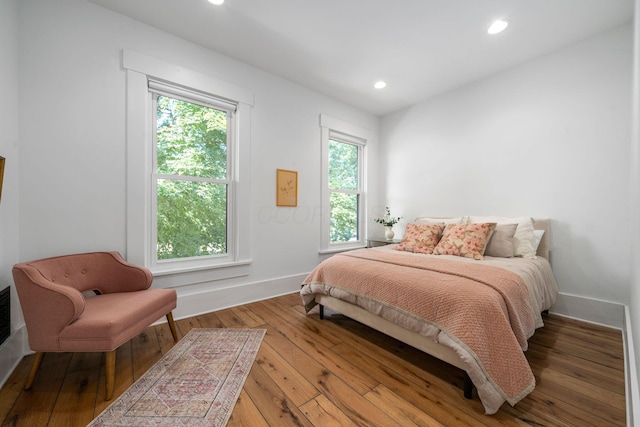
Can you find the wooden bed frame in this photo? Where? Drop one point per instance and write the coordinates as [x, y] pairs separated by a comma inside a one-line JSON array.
[[414, 339]]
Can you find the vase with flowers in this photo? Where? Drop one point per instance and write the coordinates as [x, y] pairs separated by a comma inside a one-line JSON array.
[[388, 221]]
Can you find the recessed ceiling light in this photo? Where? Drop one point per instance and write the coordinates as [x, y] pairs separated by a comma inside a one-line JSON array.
[[380, 85], [216, 2], [497, 27]]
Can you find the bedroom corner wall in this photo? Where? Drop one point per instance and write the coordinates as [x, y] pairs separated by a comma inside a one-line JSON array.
[[633, 312], [11, 350], [549, 138]]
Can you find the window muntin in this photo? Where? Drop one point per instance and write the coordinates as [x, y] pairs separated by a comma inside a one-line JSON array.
[[191, 179]]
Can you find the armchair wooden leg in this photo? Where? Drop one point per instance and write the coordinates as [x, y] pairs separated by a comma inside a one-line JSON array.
[[110, 372], [37, 361], [172, 326]]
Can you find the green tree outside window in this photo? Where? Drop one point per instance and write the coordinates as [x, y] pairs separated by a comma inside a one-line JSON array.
[[344, 198], [192, 186]]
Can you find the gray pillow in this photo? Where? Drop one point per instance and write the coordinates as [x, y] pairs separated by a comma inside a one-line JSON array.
[[501, 241]]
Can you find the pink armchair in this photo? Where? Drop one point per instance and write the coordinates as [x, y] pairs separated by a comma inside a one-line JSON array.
[[61, 317]]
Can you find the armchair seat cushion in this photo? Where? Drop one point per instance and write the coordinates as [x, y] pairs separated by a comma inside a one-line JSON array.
[[110, 320]]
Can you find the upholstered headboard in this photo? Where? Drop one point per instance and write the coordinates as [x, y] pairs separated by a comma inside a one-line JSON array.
[[544, 246]]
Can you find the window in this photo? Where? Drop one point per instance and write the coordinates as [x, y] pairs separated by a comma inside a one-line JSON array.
[[344, 189], [188, 173], [344, 186], [191, 176]]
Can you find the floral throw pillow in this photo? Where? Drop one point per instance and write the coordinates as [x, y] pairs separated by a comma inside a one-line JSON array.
[[421, 238], [465, 240]]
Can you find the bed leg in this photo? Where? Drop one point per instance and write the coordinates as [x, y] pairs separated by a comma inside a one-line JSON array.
[[468, 386], [321, 308]]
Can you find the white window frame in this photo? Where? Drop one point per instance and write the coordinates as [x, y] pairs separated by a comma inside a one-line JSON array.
[[140, 69], [162, 89], [339, 130]]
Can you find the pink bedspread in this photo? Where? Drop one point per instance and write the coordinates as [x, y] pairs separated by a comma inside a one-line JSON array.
[[484, 310]]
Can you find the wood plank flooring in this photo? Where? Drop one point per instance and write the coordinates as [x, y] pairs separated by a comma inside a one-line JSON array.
[[337, 372]]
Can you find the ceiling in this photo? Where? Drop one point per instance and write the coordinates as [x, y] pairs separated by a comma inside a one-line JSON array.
[[342, 47]]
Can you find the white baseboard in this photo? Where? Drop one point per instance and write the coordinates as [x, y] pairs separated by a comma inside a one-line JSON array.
[[11, 353], [586, 309], [220, 298], [614, 315], [590, 310], [632, 388]]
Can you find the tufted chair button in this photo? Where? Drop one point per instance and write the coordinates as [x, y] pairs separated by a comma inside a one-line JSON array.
[[84, 272]]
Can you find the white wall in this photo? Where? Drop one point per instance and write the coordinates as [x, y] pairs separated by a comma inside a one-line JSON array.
[[72, 142], [548, 138], [10, 351], [9, 242], [633, 336]]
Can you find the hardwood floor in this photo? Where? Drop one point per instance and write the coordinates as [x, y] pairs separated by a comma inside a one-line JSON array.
[[337, 372]]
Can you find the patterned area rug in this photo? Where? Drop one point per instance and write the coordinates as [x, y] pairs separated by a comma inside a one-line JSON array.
[[195, 384]]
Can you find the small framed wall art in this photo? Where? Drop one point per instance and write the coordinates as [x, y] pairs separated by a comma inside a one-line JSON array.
[[286, 188]]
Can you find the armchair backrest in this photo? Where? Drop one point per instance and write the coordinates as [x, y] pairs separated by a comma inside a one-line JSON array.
[[105, 272]]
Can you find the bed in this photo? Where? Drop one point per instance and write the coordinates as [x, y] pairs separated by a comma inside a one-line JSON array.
[[476, 314]]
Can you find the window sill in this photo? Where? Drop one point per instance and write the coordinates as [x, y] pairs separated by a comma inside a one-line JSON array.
[[338, 250], [184, 276]]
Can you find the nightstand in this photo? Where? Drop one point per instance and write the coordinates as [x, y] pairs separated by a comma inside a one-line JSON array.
[[380, 241]]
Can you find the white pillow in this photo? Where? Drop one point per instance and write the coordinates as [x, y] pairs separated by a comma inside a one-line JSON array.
[[524, 241], [537, 236], [445, 221]]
